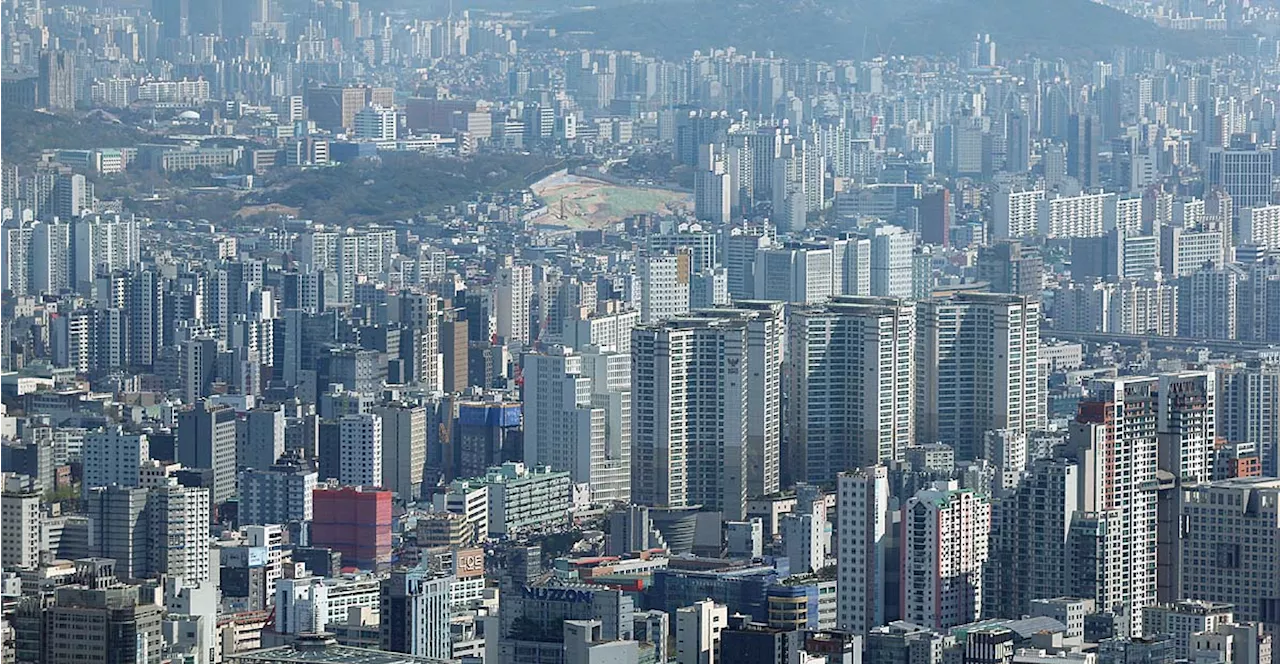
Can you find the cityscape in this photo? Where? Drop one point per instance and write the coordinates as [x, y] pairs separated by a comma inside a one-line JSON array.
[[640, 332]]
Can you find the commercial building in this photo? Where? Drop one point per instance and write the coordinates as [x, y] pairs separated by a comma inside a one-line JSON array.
[[280, 494], [522, 499], [355, 521]]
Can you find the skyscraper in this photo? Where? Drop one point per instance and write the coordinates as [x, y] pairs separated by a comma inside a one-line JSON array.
[[977, 369], [1082, 150], [1114, 438], [57, 80], [691, 385], [1248, 398], [404, 448], [513, 297], [360, 445], [207, 439], [566, 426], [414, 612], [850, 377]]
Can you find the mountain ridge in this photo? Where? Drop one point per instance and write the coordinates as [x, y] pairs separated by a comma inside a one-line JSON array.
[[859, 29]]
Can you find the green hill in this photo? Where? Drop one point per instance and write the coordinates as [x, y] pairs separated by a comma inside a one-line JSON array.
[[854, 29]]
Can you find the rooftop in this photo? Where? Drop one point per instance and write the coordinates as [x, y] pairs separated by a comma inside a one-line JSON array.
[[324, 649]]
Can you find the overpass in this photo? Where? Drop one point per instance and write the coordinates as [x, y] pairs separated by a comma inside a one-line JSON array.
[[1185, 343]]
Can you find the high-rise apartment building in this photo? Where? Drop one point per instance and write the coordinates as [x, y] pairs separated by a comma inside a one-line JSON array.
[[945, 537], [691, 385], [978, 368], [1115, 439], [1248, 395], [862, 527], [1187, 425], [850, 379]]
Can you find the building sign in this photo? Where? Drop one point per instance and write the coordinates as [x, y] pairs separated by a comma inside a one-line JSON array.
[[468, 563], [570, 595]]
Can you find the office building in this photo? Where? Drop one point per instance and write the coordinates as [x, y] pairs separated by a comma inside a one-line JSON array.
[[207, 439], [110, 624], [260, 438], [698, 629], [374, 123], [414, 612], [20, 529], [404, 449], [1083, 138], [664, 281], [521, 498], [1230, 540], [1184, 619], [1011, 266], [1243, 172], [56, 80], [360, 450], [281, 493], [567, 423], [112, 456], [356, 522]]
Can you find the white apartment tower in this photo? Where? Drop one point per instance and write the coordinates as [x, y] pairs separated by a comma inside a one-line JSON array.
[[691, 384], [862, 524], [850, 379], [977, 369], [1114, 437]]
